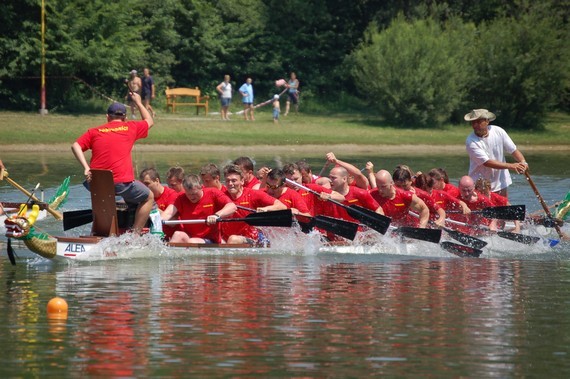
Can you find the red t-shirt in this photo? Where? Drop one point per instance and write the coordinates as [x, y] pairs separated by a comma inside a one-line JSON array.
[[212, 201], [250, 199], [474, 219], [167, 197], [445, 200], [314, 203], [355, 196], [292, 199], [396, 208], [452, 190], [498, 200], [251, 183], [430, 202], [111, 146]]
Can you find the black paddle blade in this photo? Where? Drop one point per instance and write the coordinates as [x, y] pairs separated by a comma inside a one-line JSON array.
[[460, 250], [273, 218], [370, 218], [466, 239], [11, 253], [73, 219], [430, 235], [527, 240], [337, 226], [507, 212]]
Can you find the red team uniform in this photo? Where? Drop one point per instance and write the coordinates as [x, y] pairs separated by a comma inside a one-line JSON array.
[[167, 197], [111, 146], [396, 208], [249, 199], [212, 201], [251, 183], [355, 196], [292, 199]]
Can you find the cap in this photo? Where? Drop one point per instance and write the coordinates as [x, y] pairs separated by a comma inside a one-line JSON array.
[[276, 96], [117, 109], [133, 72]]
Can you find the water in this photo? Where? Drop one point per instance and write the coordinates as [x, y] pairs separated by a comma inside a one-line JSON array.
[[288, 313]]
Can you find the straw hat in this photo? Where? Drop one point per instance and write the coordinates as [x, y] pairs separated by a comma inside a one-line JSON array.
[[476, 114]]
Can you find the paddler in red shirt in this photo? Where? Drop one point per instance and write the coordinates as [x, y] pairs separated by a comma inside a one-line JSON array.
[[247, 167], [274, 183], [199, 203], [163, 196], [315, 203], [402, 177], [475, 201], [111, 146], [174, 178], [356, 177], [483, 186], [352, 196], [211, 175], [241, 232], [397, 203]]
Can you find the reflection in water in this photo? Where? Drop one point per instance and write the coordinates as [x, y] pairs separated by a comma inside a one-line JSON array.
[[316, 316]]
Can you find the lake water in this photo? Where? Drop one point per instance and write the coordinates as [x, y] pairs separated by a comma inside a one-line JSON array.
[[396, 312]]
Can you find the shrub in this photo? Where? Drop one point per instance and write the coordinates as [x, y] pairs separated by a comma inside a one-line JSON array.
[[414, 73], [522, 66]]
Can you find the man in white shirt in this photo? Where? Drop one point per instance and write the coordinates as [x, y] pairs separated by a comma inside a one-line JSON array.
[[486, 147]]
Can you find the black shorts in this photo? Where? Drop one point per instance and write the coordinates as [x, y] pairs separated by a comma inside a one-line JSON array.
[[294, 97]]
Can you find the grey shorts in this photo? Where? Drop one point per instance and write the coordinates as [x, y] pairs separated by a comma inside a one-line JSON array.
[[133, 192]]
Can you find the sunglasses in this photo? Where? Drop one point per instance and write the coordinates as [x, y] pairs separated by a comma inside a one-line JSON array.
[[275, 186]]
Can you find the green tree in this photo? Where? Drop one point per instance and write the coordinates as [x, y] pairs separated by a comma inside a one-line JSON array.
[[414, 73], [522, 67]]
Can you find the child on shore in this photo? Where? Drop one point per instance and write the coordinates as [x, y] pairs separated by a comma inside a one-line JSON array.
[[276, 109]]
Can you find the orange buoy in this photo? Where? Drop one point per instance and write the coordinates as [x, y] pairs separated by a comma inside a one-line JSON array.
[[57, 309]]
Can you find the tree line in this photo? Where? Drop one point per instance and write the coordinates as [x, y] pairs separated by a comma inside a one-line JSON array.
[[415, 63]]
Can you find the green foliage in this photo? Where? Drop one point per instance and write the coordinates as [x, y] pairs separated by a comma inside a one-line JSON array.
[[522, 67], [414, 73]]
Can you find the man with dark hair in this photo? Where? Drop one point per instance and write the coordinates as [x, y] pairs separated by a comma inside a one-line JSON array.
[[247, 167], [241, 232], [210, 174], [111, 146], [174, 178], [275, 186], [163, 196]]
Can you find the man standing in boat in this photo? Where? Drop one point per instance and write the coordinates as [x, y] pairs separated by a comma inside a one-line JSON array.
[[111, 146], [486, 147]]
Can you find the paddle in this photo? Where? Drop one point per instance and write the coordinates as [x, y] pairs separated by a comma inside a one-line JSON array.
[[522, 238], [52, 211], [464, 238], [461, 250], [336, 226], [16, 205], [11, 253], [273, 218], [369, 218], [506, 212], [543, 204], [429, 235], [23, 207], [73, 219]]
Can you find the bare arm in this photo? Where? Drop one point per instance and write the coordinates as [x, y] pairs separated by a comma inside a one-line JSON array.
[[276, 206], [80, 156], [169, 212], [359, 177], [371, 177], [519, 166], [422, 209], [142, 109]]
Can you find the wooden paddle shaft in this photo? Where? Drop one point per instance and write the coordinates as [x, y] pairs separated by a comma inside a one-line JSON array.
[[542, 203], [53, 212]]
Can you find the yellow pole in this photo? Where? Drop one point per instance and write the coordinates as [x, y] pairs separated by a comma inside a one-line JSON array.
[[43, 110]]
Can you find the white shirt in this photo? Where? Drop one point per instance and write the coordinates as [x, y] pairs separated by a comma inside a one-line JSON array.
[[226, 90], [482, 149]]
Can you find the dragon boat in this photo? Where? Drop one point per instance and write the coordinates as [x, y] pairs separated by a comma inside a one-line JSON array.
[[109, 237]]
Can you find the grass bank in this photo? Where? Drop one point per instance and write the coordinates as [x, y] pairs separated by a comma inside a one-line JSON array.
[[185, 128]]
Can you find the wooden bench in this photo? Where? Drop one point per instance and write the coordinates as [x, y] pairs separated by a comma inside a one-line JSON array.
[[178, 97]]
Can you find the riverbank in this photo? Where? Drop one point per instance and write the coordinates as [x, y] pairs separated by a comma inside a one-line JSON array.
[[302, 132], [357, 149]]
